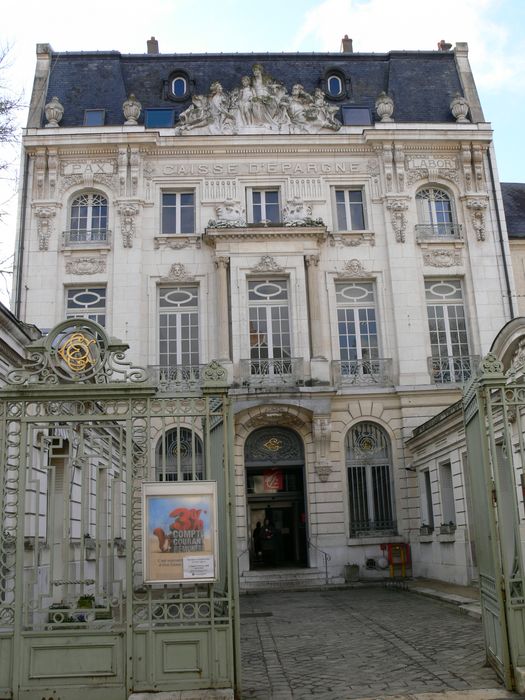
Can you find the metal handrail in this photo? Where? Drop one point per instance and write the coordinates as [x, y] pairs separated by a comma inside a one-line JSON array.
[[86, 236], [443, 230], [326, 556], [452, 370], [362, 372]]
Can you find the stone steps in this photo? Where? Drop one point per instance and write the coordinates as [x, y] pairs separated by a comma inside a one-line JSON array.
[[281, 579]]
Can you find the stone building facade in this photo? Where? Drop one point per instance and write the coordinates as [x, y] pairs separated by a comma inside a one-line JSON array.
[[325, 226]]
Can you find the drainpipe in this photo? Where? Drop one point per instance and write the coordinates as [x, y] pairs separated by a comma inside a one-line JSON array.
[[20, 245], [500, 233]]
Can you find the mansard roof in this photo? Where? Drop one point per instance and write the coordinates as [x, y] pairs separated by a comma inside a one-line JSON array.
[[514, 204], [422, 84]]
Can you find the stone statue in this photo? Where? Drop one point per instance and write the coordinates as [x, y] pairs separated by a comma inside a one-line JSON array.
[[297, 213], [230, 214]]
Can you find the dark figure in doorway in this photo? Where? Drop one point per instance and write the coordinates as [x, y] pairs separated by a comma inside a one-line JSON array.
[[257, 541], [268, 542]]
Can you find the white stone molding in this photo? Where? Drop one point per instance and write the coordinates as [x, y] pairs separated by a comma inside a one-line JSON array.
[[442, 257], [297, 213], [88, 265], [306, 188], [322, 433], [273, 415], [372, 167], [178, 273], [54, 112], [398, 208], [127, 212], [352, 268], [477, 159], [230, 214], [220, 190], [477, 214], [460, 108], [259, 104], [44, 216], [466, 159], [255, 232], [88, 174], [423, 166], [267, 264], [385, 107], [388, 164], [131, 109], [176, 242], [352, 239], [40, 173]]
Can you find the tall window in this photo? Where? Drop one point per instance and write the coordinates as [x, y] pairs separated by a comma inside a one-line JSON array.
[[357, 327], [86, 302], [270, 349], [264, 206], [368, 461], [178, 326], [450, 361], [448, 509], [179, 456], [349, 210], [178, 212], [435, 213], [427, 510], [89, 218]]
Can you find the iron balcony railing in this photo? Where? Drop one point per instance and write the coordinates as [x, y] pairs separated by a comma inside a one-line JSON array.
[[177, 378], [362, 372], [272, 372], [361, 528], [86, 236], [445, 230], [452, 370]]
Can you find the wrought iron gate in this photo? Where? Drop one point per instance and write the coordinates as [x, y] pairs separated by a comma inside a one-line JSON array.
[[81, 432], [494, 406]]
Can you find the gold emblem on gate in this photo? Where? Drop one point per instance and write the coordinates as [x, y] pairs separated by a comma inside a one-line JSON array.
[[76, 352], [273, 444]]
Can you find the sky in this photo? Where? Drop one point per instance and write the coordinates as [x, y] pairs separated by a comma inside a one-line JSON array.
[[493, 29]]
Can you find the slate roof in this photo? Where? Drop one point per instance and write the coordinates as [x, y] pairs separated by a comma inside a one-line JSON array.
[[514, 205], [422, 84]]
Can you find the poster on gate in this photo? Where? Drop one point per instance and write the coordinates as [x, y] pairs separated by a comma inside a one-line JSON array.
[[180, 538]]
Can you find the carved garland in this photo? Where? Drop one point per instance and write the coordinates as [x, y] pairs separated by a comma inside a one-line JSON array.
[[441, 257], [85, 265], [45, 226], [397, 208], [477, 212], [127, 212]]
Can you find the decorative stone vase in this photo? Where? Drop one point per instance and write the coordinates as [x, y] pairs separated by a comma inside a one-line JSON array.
[[54, 112], [131, 108], [459, 108], [385, 107]]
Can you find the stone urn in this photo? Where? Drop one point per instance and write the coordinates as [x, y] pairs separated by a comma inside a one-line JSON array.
[[385, 107], [459, 108], [131, 108], [54, 112]]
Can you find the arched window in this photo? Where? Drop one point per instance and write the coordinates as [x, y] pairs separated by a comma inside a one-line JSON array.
[[334, 85], [179, 456], [179, 86], [369, 466], [435, 213], [88, 218]]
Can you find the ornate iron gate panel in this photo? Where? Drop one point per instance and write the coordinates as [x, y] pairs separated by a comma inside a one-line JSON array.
[[493, 406], [80, 431]]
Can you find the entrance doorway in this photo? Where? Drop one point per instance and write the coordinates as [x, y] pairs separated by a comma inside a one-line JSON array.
[[275, 492]]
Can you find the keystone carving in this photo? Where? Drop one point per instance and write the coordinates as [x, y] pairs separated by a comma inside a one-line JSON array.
[[85, 265], [44, 217], [127, 212], [179, 273], [397, 208], [353, 268], [267, 264], [259, 104], [477, 212]]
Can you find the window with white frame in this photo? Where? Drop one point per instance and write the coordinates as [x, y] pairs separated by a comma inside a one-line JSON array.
[[448, 509], [88, 221], [369, 466], [435, 213], [179, 456], [350, 213], [178, 212], [427, 510], [264, 206], [450, 361], [269, 318], [179, 326], [86, 302], [357, 327]]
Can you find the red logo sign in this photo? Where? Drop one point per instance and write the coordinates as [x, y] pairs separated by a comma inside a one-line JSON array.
[[273, 480]]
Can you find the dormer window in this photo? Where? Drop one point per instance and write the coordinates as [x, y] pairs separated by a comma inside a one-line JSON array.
[[334, 85], [179, 86]]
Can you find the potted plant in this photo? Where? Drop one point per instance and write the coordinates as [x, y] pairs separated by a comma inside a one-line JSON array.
[[426, 529], [447, 528]]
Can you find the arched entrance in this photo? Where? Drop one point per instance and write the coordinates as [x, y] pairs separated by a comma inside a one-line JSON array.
[[274, 461]]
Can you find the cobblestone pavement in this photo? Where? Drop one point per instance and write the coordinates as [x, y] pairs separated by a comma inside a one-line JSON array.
[[358, 643]]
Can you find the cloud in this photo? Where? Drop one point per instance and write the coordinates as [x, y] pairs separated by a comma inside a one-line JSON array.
[[496, 46]]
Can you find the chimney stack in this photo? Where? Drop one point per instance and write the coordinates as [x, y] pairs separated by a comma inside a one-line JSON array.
[[153, 45], [346, 45]]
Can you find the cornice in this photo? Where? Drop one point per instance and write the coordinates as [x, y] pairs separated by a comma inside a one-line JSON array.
[[250, 233]]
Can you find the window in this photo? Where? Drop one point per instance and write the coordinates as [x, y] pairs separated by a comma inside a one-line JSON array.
[[427, 511], [179, 456], [178, 212], [179, 86], [357, 328], [264, 206], [334, 85], [448, 510], [94, 117], [86, 302], [159, 118], [368, 464], [356, 116], [178, 326], [450, 361], [270, 351], [89, 218], [349, 209], [435, 214]]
